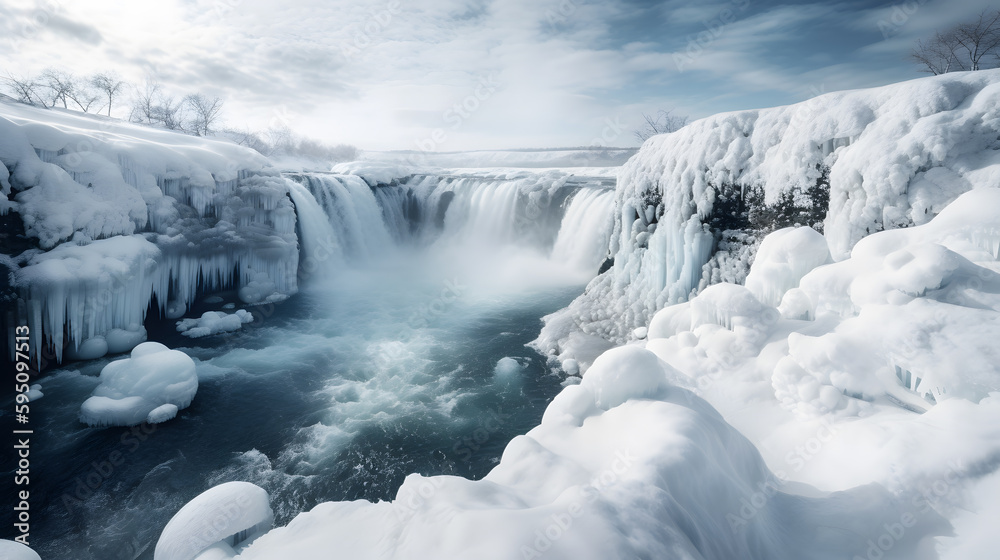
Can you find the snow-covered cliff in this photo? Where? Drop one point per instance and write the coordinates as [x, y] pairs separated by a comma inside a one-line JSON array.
[[100, 216], [693, 205]]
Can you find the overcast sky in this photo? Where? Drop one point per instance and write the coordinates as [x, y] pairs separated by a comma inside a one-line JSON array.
[[483, 74]]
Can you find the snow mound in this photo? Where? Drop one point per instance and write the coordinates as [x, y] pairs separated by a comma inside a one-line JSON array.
[[214, 322], [783, 258], [151, 385], [11, 550], [623, 465], [210, 525], [909, 320], [691, 205]]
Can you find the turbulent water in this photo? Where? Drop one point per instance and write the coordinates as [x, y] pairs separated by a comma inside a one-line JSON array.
[[403, 353]]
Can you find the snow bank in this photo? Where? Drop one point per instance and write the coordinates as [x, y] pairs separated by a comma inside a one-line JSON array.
[[214, 322], [151, 386], [691, 205], [910, 319], [623, 465], [116, 214], [210, 525], [11, 550]]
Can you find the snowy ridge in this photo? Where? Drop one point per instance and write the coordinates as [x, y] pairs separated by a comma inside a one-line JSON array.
[[117, 214], [889, 157]]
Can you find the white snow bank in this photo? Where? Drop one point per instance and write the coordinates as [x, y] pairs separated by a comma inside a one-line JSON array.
[[209, 526], [214, 322], [910, 319], [151, 385], [126, 212], [623, 465], [11, 550], [893, 156]]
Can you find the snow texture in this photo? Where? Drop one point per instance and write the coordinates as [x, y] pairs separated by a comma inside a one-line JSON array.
[[217, 520], [892, 157], [11, 550], [590, 482], [120, 213], [151, 385]]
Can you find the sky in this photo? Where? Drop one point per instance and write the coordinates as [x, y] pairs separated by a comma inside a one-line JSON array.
[[452, 75]]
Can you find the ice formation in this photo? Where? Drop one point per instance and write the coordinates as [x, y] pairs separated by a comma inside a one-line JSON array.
[[151, 385], [214, 322], [120, 214], [210, 525], [889, 157]]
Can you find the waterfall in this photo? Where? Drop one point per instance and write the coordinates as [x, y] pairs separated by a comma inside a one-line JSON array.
[[586, 230], [566, 219], [353, 213]]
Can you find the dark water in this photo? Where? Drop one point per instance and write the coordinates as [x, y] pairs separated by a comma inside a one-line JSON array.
[[336, 394]]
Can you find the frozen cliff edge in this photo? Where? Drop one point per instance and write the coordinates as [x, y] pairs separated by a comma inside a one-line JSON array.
[[101, 216], [693, 205]]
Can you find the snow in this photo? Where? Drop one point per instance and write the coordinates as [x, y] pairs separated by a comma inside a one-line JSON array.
[[562, 158], [151, 385], [894, 156], [210, 525], [11, 550], [214, 322], [123, 213], [586, 483]]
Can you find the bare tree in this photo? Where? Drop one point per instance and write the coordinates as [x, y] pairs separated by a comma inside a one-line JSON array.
[[25, 90], [968, 46], [144, 102], [169, 113], [206, 112], [60, 86], [109, 84], [662, 123]]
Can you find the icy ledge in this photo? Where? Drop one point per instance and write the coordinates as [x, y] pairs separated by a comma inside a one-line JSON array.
[[692, 205], [623, 465], [115, 215]]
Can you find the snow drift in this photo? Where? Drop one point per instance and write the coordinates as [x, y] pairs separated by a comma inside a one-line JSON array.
[[692, 205], [624, 465]]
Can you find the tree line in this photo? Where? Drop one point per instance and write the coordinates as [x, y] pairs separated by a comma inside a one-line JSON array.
[[149, 103]]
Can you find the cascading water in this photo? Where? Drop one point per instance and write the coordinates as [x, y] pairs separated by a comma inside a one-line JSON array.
[[399, 355]]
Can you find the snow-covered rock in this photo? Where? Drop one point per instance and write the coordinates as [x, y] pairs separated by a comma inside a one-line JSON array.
[[116, 213], [151, 385], [209, 526], [11, 550], [849, 163], [911, 318], [214, 322]]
